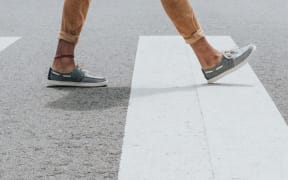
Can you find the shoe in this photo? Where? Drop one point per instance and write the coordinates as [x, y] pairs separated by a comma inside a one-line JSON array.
[[231, 61], [77, 78]]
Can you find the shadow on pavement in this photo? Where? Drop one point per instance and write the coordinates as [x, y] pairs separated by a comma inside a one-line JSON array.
[[87, 99]]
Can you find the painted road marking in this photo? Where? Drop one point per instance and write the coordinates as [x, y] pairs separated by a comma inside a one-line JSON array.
[[247, 135], [178, 127], [164, 136], [7, 41]]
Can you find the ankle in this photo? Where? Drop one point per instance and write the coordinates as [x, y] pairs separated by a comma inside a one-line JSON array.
[[211, 60], [207, 55], [214, 59], [63, 65], [64, 60]]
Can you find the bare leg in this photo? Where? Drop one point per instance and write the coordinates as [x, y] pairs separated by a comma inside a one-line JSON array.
[[63, 71], [184, 19], [65, 64], [73, 18], [208, 56]]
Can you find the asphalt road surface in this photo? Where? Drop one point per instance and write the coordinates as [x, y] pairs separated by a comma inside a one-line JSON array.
[[73, 133]]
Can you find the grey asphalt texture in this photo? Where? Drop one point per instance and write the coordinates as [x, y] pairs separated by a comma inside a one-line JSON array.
[[73, 133]]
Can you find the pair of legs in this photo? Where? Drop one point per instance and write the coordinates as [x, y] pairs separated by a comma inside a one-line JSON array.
[[179, 11]]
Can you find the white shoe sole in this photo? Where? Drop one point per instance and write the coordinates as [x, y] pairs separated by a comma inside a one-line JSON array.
[[52, 83], [213, 80]]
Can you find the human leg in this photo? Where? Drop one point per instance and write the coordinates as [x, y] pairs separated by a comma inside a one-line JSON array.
[[73, 18], [214, 64], [64, 72], [182, 15]]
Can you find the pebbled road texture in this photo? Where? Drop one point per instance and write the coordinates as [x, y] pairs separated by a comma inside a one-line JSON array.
[[73, 133]]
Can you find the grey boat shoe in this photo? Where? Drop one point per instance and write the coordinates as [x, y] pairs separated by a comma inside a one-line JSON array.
[[77, 78], [231, 61]]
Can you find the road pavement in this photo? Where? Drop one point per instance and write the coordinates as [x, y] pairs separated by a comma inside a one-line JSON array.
[[73, 133]]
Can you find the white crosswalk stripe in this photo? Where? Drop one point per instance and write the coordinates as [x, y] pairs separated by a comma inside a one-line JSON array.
[[178, 127], [7, 41]]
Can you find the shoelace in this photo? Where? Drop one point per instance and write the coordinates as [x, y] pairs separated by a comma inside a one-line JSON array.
[[229, 53], [80, 67]]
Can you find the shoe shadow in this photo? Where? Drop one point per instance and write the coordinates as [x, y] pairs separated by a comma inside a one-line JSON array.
[[87, 99], [225, 85]]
